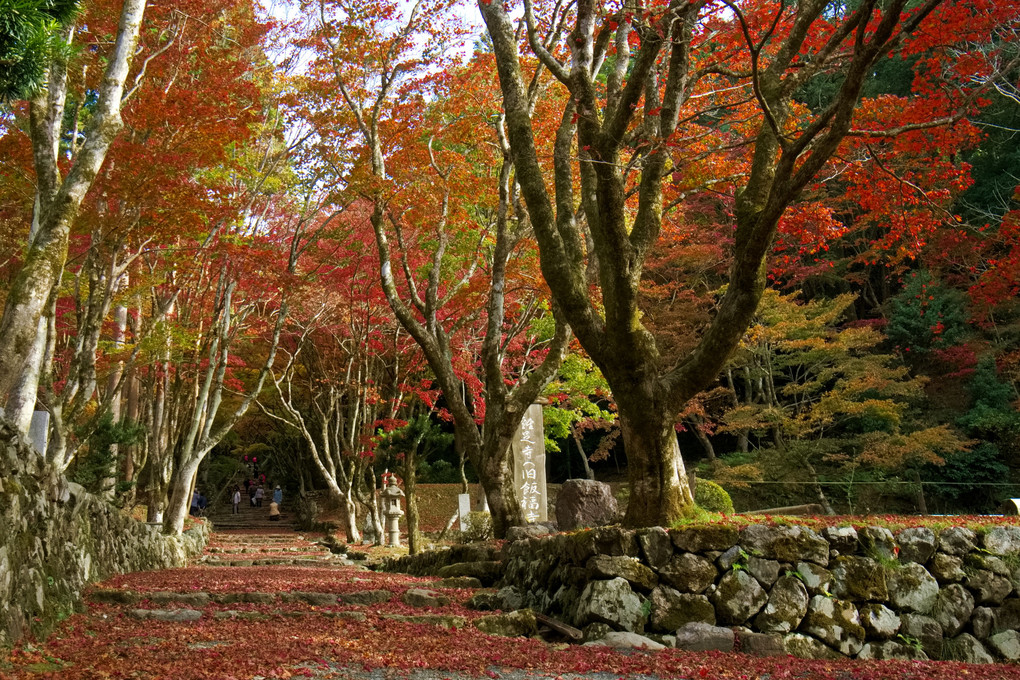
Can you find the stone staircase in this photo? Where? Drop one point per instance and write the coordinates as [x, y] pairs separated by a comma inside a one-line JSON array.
[[249, 518], [240, 548]]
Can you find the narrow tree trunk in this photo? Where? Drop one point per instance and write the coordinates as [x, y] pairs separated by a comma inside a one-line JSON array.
[[411, 498], [588, 473]]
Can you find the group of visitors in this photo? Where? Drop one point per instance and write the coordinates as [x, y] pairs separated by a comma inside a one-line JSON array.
[[198, 504], [256, 494]]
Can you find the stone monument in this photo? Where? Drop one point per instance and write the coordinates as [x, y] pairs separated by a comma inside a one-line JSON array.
[[528, 448]]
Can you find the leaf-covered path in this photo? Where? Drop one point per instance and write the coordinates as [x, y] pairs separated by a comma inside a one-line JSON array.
[[274, 605]]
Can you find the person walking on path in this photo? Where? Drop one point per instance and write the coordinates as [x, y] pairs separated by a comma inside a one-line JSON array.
[[274, 512], [278, 495], [259, 495], [237, 499]]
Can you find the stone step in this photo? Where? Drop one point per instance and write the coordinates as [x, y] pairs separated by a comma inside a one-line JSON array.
[[270, 562], [201, 599], [263, 550]]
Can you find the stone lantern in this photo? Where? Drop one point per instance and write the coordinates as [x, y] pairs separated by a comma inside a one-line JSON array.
[[391, 496]]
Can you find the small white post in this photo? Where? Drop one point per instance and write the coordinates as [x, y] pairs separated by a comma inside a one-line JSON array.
[[39, 430], [464, 508]]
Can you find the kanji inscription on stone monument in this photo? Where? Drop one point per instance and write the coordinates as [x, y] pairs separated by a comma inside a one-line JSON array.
[[529, 465]]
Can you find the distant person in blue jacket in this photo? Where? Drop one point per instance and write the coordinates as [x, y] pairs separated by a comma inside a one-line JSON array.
[[278, 495]]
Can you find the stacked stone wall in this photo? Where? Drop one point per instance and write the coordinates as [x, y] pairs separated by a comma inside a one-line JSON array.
[[842, 592], [55, 539]]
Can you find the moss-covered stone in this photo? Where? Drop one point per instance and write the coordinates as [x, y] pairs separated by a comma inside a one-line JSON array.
[[703, 539], [521, 623], [55, 539], [860, 579]]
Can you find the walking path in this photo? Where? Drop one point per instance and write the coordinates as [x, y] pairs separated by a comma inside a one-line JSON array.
[[270, 603]]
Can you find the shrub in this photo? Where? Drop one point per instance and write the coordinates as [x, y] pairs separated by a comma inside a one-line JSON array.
[[478, 527], [712, 497]]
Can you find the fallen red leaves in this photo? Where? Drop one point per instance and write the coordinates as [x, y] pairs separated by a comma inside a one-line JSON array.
[[286, 639]]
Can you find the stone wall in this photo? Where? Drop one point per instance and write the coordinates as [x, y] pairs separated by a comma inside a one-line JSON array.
[[55, 538], [862, 593], [844, 592]]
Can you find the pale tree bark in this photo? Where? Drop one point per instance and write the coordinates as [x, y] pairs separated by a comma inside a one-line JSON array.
[[419, 309], [595, 136], [205, 428], [60, 197]]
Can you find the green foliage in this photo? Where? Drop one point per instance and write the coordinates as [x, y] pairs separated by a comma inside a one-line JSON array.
[[926, 315], [977, 480], [95, 465], [579, 403], [29, 39], [712, 497], [971, 481], [438, 472], [422, 436], [991, 415]]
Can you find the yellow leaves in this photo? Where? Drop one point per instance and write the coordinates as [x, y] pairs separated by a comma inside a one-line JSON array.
[[892, 451]]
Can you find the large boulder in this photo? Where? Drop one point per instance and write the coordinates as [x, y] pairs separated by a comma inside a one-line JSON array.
[[521, 623], [806, 647], [766, 571], [672, 609], [760, 644], [1004, 540], [917, 544], [860, 579], [786, 544], [627, 640], [878, 542], [925, 630], [422, 597], [737, 598], [981, 622], [702, 637], [612, 602], [585, 503], [841, 539], [689, 573], [947, 568], [703, 538], [785, 608], [912, 588], [966, 648], [953, 608], [836, 623], [1006, 644], [629, 568], [656, 546], [817, 580], [956, 540], [1007, 617], [880, 622], [988, 587]]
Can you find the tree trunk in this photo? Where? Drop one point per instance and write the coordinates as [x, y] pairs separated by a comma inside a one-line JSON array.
[[411, 499], [588, 474], [180, 496], [60, 199], [660, 490], [22, 399]]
